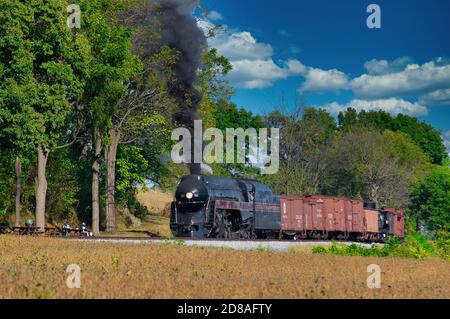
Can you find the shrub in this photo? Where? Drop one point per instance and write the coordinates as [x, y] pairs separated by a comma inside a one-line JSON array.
[[416, 246]]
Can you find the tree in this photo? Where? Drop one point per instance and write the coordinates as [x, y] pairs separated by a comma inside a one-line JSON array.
[[213, 85], [424, 135], [305, 137], [421, 133], [40, 60], [111, 68], [228, 115], [379, 167], [430, 200], [142, 116]]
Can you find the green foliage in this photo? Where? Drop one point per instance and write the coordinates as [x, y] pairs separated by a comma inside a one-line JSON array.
[[41, 58], [112, 65], [63, 189], [130, 165], [417, 247], [380, 167], [424, 135], [228, 115], [431, 199], [305, 140], [2, 214]]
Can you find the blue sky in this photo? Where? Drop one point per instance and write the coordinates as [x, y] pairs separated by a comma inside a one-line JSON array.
[[322, 53]]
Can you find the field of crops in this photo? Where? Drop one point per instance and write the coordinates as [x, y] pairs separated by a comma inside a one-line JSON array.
[[36, 268]]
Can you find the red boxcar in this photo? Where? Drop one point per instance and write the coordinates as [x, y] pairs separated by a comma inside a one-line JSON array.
[[323, 217]]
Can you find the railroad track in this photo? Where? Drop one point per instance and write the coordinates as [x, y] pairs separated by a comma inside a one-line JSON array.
[[271, 245], [249, 244]]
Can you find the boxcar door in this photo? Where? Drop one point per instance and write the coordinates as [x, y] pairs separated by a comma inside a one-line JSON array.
[[318, 215], [288, 214], [285, 208], [308, 207], [339, 215], [329, 206], [348, 213], [358, 216], [298, 214]]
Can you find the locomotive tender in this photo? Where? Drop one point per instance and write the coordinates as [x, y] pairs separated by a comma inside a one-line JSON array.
[[217, 207]]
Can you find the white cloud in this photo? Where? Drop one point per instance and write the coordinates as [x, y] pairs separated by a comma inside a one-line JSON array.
[[241, 45], [295, 67], [206, 25], [379, 67], [253, 74], [215, 16], [318, 80], [413, 80], [252, 61], [392, 105], [254, 67], [436, 98]]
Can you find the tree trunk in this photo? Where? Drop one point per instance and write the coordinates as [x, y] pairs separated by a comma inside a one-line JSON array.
[[41, 188], [110, 160], [18, 189], [96, 185], [374, 197]]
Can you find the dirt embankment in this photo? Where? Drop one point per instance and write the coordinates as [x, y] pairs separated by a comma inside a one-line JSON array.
[[156, 202]]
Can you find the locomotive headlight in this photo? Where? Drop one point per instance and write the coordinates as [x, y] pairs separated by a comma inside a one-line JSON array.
[[189, 195]]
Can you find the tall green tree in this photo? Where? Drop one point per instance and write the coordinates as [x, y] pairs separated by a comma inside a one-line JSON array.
[[40, 60], [112, 66], [423, 134], [305, 137], [430, 200], [228, 116], [379, 167]]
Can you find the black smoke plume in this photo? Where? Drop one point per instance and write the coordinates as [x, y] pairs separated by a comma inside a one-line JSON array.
[[178, 29]]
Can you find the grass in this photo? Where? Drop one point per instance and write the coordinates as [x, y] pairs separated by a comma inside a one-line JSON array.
[[417, 247], [36, 268]]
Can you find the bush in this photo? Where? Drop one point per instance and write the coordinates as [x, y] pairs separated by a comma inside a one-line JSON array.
[[443, 248], [413, 247]]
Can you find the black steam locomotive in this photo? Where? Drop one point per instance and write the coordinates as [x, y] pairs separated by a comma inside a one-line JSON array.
[[216, 207]]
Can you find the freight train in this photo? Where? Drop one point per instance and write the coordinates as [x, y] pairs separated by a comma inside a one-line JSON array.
[[217, 207]]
